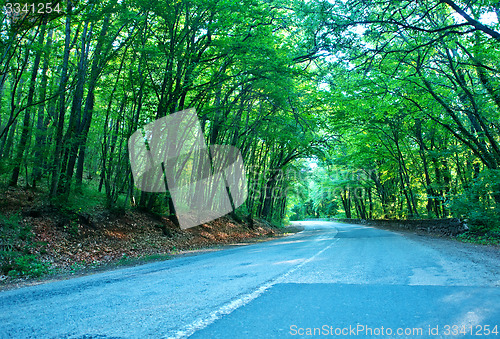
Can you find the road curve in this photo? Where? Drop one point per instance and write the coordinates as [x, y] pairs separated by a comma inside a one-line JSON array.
[[329, 280]]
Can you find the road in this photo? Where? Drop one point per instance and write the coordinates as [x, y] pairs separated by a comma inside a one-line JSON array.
[[331, 278]]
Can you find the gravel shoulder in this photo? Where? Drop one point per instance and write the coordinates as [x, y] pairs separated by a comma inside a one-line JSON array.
[[485, 256]]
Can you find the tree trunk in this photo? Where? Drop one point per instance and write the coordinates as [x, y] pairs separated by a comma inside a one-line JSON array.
[[89, 102], [56, 164], [27, 112], [41, 136], [72, 137]]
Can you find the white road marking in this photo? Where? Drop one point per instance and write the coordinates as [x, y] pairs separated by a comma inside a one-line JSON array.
[[200, 324]]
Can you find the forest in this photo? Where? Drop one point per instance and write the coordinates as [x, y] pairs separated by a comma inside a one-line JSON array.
[[368, 109]]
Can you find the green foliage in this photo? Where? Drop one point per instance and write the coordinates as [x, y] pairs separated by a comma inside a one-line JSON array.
[[27, 265], [13, 233], [477, 204], [15, 244], [72, 228], [297, 212], [15, 238], [490, 237], [86, 199], [403, 89], [314, 196], [411, 99]]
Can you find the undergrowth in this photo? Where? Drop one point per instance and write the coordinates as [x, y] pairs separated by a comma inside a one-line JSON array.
[[16, 241], [481, 235]]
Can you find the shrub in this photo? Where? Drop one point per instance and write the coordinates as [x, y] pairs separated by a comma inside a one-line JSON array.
[[477, 204], [479, 207], [15, 243], [13, 235], [28, 265]]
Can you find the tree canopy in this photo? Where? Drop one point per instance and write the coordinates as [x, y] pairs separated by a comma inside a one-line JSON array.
[[367, 109]]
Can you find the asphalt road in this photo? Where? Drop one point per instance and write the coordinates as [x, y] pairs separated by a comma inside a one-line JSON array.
[[330, 280]]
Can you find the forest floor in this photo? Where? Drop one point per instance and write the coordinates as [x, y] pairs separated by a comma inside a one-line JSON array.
[[61, 242]]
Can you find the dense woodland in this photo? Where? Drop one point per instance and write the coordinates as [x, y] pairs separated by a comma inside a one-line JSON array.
[[356, 109]]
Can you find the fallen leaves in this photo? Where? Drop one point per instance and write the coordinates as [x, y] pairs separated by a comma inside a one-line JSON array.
[[68, 242]]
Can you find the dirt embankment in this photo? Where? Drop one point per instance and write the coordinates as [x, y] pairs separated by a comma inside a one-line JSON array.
[[107, 237], [72, 240]]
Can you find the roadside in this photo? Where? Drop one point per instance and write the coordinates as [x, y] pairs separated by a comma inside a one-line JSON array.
[[78, 269], [456, 239], [487, 254], [83, 270], [454, 228], [41, 242]]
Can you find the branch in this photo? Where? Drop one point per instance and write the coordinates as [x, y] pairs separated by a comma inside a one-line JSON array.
[[494, 34]]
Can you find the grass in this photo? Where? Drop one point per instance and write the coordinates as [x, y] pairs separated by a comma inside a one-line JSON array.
[[15, 245], [28, 265], [84, 200]]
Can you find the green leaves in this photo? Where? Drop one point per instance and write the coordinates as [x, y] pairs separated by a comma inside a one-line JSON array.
[[408, 98]]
